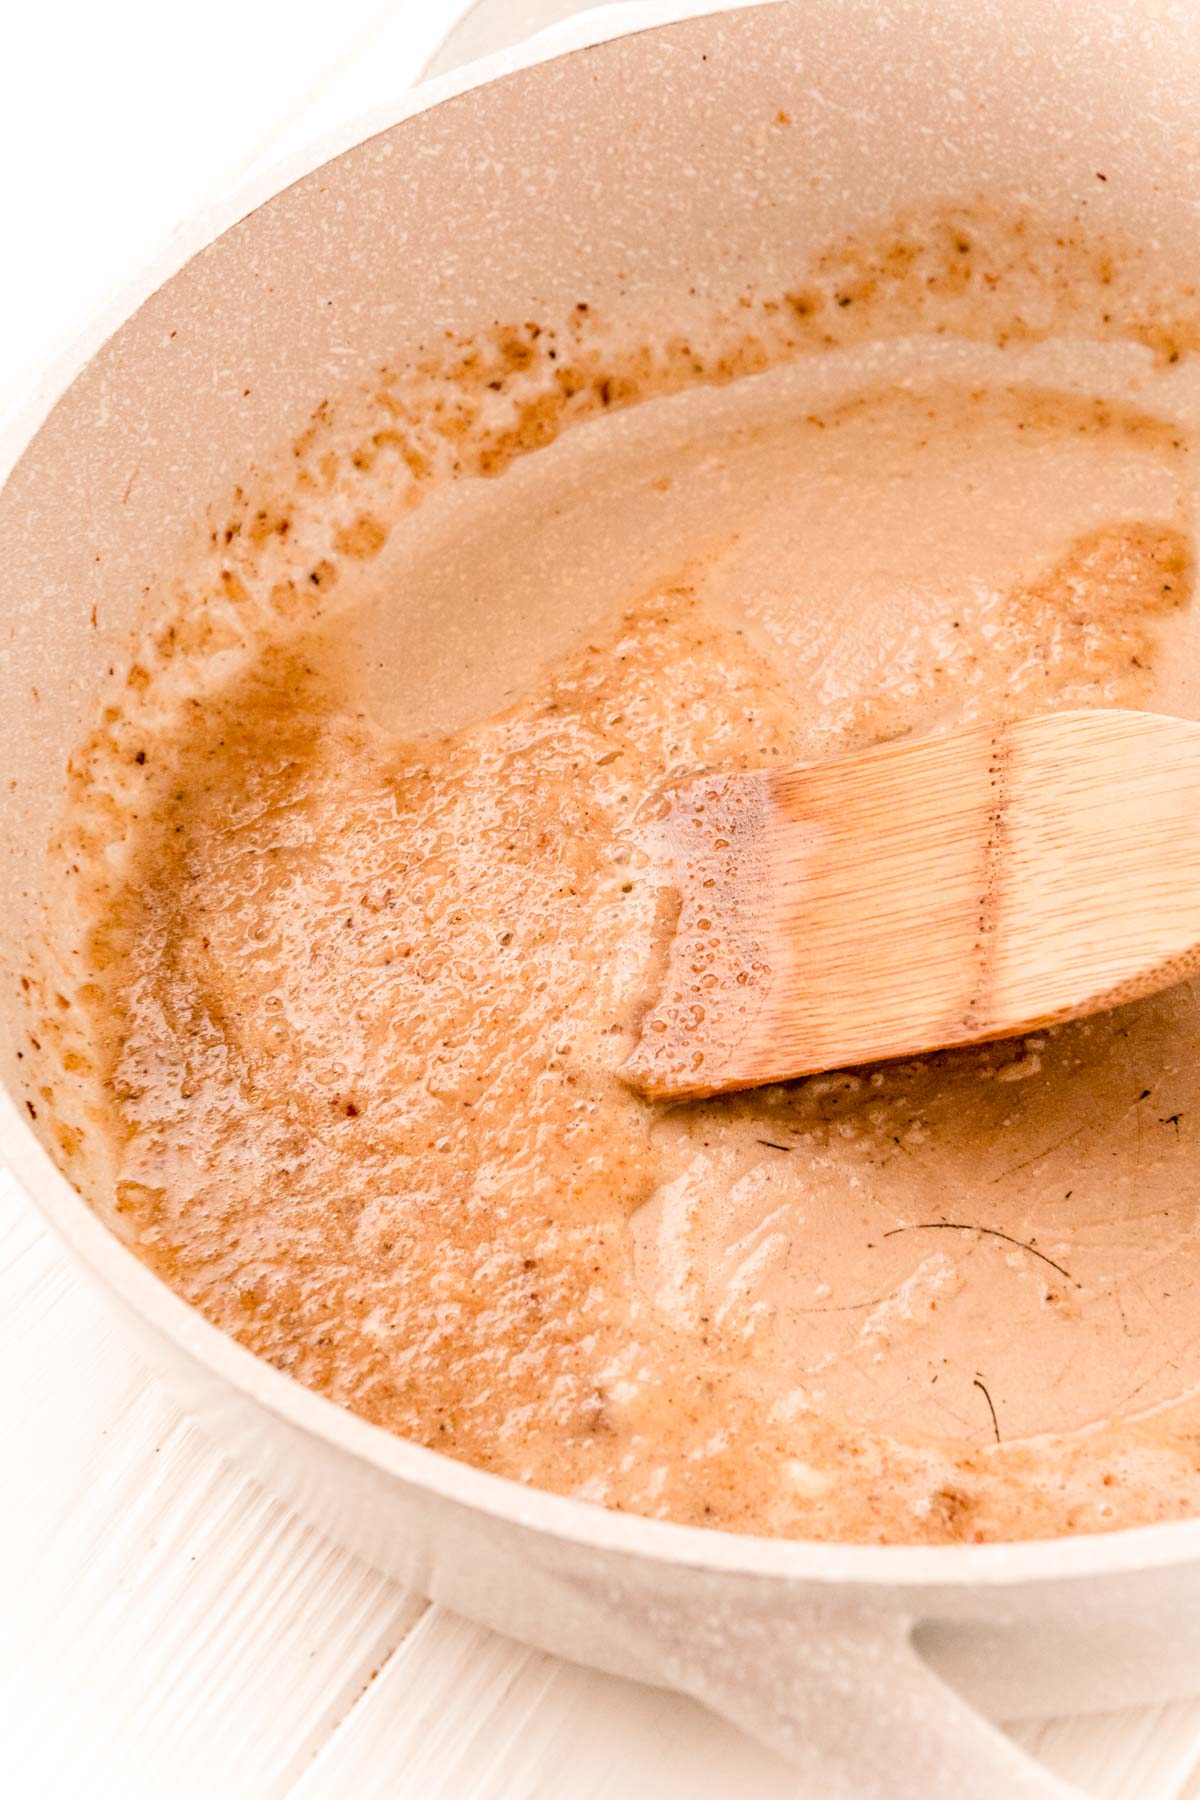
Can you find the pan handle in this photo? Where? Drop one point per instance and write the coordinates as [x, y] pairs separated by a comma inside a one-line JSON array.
[[854, 1706]]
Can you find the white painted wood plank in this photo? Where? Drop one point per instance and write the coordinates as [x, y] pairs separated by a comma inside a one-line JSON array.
[[167, 1627], [1144, 1753], [460, 1712]]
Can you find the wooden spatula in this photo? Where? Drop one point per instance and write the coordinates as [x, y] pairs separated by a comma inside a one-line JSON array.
[[936, 892]]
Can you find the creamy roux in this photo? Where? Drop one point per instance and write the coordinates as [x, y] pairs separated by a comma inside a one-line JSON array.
[[357, 1007]]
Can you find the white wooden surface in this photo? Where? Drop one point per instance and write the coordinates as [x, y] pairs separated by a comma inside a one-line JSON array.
[[166, 1627]]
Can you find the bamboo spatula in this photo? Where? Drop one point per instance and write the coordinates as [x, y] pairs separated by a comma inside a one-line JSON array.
[[937, 892]]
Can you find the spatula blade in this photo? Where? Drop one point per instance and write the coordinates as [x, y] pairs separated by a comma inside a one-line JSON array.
[[930, 893]]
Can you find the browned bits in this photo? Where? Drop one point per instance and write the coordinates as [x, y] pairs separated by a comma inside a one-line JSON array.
[[362, 539], [233, 587]]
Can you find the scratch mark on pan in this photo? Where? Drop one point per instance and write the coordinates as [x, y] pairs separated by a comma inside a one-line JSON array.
[[980, 1384], [989, 1231], [852, 1306], [1167, 1363], [1041, 1155]]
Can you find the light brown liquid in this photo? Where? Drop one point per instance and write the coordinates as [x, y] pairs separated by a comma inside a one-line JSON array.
[[359, 1003]]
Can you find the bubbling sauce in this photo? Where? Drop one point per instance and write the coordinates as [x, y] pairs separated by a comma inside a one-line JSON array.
[[355, 999]]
